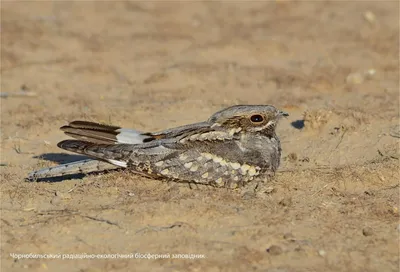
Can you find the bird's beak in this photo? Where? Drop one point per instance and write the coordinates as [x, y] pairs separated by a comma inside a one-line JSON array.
[[283, 113]]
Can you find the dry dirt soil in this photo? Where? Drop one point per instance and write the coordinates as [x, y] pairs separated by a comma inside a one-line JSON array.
[[334, 66]]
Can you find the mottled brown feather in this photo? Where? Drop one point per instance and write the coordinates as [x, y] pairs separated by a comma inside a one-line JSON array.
[[92, 125], [92, 132]]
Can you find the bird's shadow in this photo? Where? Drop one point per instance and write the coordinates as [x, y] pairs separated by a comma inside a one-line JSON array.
[[60, 158], [56, 179]]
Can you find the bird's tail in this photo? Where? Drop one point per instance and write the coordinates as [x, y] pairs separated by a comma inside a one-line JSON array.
[[78, 167], [95, 140], [104, 134]]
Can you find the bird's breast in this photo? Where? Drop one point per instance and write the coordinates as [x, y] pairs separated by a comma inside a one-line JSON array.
[[267, 149]]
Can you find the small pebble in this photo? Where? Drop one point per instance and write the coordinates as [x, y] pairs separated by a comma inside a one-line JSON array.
[[56, 200], [286, 202], [321, 252], [370, 73], [298, 248], [355, 78], [292, 157], [274, 250], [288, 236], [369, 193], [367, 231], [370, 17]]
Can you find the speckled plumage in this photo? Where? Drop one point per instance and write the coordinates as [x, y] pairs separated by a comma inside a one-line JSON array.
[[231, 148]]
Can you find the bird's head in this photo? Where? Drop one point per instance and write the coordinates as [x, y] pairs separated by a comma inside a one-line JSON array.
[[249, 118]]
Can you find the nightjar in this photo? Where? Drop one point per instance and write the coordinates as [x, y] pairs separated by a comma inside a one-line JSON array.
[[231, 148]]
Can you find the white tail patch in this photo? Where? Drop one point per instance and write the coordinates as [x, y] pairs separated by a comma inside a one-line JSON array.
[[130, 136], [118, 163]]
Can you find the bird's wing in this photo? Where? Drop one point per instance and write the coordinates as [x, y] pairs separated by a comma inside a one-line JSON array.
[[117, 154], [203, 131], [105, 142], [106, 134]]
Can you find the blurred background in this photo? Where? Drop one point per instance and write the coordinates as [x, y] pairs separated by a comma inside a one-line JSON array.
[[114, 59]]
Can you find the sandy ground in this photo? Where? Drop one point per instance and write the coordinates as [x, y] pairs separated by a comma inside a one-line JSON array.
[[334, 204]]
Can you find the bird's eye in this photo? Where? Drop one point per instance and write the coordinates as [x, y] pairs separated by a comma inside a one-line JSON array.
[[256, 118]]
